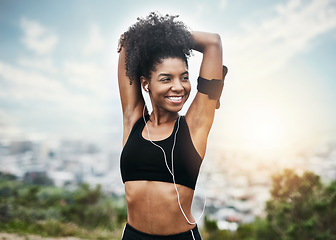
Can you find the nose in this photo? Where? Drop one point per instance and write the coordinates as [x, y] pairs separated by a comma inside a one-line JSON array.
[[177, 86]]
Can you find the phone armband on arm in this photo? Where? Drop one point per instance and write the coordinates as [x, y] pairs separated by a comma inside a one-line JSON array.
[[213, 88]]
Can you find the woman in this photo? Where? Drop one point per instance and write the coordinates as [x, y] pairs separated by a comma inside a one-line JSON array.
[[162, 151]]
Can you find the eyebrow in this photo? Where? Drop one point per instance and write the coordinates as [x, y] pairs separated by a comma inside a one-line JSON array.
[[167, 74]]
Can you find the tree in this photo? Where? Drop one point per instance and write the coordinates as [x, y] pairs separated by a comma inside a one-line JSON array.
[[52, 211], [301, 207]]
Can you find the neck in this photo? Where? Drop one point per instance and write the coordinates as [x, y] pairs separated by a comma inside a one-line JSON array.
[[158, 117]]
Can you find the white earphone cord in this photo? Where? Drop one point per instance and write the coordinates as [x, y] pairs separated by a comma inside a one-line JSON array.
[[171, 171]]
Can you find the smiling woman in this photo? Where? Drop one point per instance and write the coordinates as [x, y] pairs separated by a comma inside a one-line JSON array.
[[169, 85], [163, 151]]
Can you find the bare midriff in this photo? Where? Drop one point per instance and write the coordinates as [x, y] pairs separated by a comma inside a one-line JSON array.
[[153, 208]]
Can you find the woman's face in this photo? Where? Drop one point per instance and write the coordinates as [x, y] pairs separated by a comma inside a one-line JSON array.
[[169, 86]]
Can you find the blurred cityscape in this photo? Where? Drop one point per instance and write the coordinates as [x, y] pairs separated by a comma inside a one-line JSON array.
[[236, 183]]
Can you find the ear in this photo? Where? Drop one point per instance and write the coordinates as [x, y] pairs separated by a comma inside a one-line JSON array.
[[144, 83]]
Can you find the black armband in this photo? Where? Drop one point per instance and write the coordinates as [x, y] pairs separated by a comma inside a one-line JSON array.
[[213, 88]]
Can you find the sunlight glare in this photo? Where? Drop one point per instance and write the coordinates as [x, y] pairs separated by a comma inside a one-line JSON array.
[[263, 130]]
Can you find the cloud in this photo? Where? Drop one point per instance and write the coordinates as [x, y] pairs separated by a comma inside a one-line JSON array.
[[37, 37], [266, 44], [5, 119], [48, 100], [87, 76], [8, 128], [192, 18], [269, 44], [26, 85], [223, 4], [44, 64], [96, 41]]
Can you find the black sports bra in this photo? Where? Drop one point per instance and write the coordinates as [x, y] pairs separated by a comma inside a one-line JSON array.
[[141, 160]]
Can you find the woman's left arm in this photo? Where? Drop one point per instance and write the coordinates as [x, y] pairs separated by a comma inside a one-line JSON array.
[[201, 112]]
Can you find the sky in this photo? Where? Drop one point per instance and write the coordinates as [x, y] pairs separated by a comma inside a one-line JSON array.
[[58, 68]]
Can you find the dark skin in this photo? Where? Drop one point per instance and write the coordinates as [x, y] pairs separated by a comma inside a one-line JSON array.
[[152, 206]]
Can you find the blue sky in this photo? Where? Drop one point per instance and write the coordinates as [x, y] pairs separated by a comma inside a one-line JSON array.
[[58, 67]]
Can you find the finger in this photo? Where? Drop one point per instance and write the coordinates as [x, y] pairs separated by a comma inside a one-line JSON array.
[[119, 48]]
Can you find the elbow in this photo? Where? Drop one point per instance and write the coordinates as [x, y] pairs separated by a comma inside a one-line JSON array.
[[205, 40], [215, 40], [214, 44]]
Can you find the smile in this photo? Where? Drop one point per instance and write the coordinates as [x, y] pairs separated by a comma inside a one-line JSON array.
[[175, 99]]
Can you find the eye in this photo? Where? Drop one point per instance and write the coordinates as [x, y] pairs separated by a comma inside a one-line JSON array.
[[185, 78], [164, 79]]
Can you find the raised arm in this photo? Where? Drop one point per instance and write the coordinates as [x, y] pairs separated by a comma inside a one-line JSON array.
[[200, 114], [132, 101]]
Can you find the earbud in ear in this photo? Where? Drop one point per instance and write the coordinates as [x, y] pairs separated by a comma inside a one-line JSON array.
[[146, 88]]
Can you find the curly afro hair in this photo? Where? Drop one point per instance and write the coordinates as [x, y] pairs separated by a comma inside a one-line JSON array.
[[152, 39]]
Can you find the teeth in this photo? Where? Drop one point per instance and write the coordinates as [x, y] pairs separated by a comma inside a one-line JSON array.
[[175, 98]]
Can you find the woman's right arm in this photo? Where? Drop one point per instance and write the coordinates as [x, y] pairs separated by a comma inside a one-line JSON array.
[[132, 101]]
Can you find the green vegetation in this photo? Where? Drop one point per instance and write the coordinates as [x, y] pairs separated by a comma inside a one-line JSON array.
[[52, 211], [301, 207]]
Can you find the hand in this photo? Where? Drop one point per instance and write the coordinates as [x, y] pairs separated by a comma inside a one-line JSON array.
[[120, 43]]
